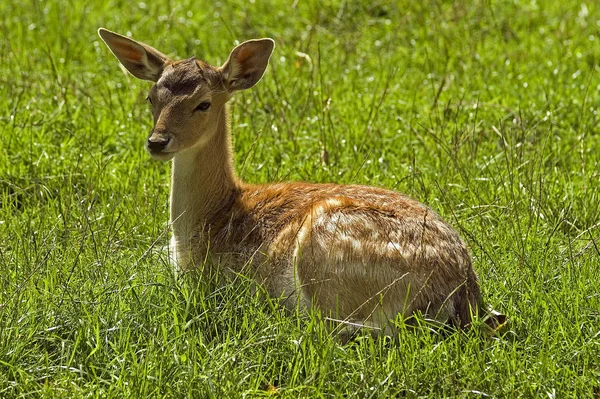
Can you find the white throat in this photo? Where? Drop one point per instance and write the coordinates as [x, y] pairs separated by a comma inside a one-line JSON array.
[[203, 181]]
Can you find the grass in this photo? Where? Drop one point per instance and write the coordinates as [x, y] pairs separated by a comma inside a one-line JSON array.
[[487, 111]]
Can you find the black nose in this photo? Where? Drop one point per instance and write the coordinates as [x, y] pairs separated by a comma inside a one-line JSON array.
[[157, 144]]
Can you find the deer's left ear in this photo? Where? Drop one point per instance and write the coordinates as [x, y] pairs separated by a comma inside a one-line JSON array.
[[247, 63]]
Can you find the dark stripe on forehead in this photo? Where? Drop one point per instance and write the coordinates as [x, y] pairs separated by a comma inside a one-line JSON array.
[[184, 76]]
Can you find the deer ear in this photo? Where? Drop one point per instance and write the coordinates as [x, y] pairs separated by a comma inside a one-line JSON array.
[[141, 60], [247, 63]]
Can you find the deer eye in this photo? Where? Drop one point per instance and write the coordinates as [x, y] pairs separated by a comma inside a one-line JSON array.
[[202, 106]]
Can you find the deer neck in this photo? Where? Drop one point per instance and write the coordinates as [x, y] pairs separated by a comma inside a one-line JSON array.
[[203, 181]]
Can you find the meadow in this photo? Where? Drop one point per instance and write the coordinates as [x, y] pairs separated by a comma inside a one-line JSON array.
[[485, 110]]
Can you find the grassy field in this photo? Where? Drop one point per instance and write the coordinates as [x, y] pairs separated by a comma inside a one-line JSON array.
[[485, 110]]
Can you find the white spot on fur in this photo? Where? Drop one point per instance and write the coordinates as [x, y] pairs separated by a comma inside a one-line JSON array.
[[392, 247]]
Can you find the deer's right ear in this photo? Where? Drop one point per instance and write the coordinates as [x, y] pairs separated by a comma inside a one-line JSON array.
[[141, 60]]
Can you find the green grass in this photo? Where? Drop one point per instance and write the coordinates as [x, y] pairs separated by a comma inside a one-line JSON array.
[[487, 111]]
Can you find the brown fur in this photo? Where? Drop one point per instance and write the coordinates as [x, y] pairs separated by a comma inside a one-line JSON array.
[[362, 254]]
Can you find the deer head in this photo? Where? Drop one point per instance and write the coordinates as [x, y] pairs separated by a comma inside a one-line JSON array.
[[188, 96]]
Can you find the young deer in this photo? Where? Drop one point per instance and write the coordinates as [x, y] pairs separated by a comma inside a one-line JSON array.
[[361, 254]]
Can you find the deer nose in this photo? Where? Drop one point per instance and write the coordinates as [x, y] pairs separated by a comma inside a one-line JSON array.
[[157, 144]]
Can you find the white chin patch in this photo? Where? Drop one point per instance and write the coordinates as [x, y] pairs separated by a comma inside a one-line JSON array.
[[162, 156]]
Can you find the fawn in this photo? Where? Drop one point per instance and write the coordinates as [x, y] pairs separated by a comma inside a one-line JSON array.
[[361, 254]]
